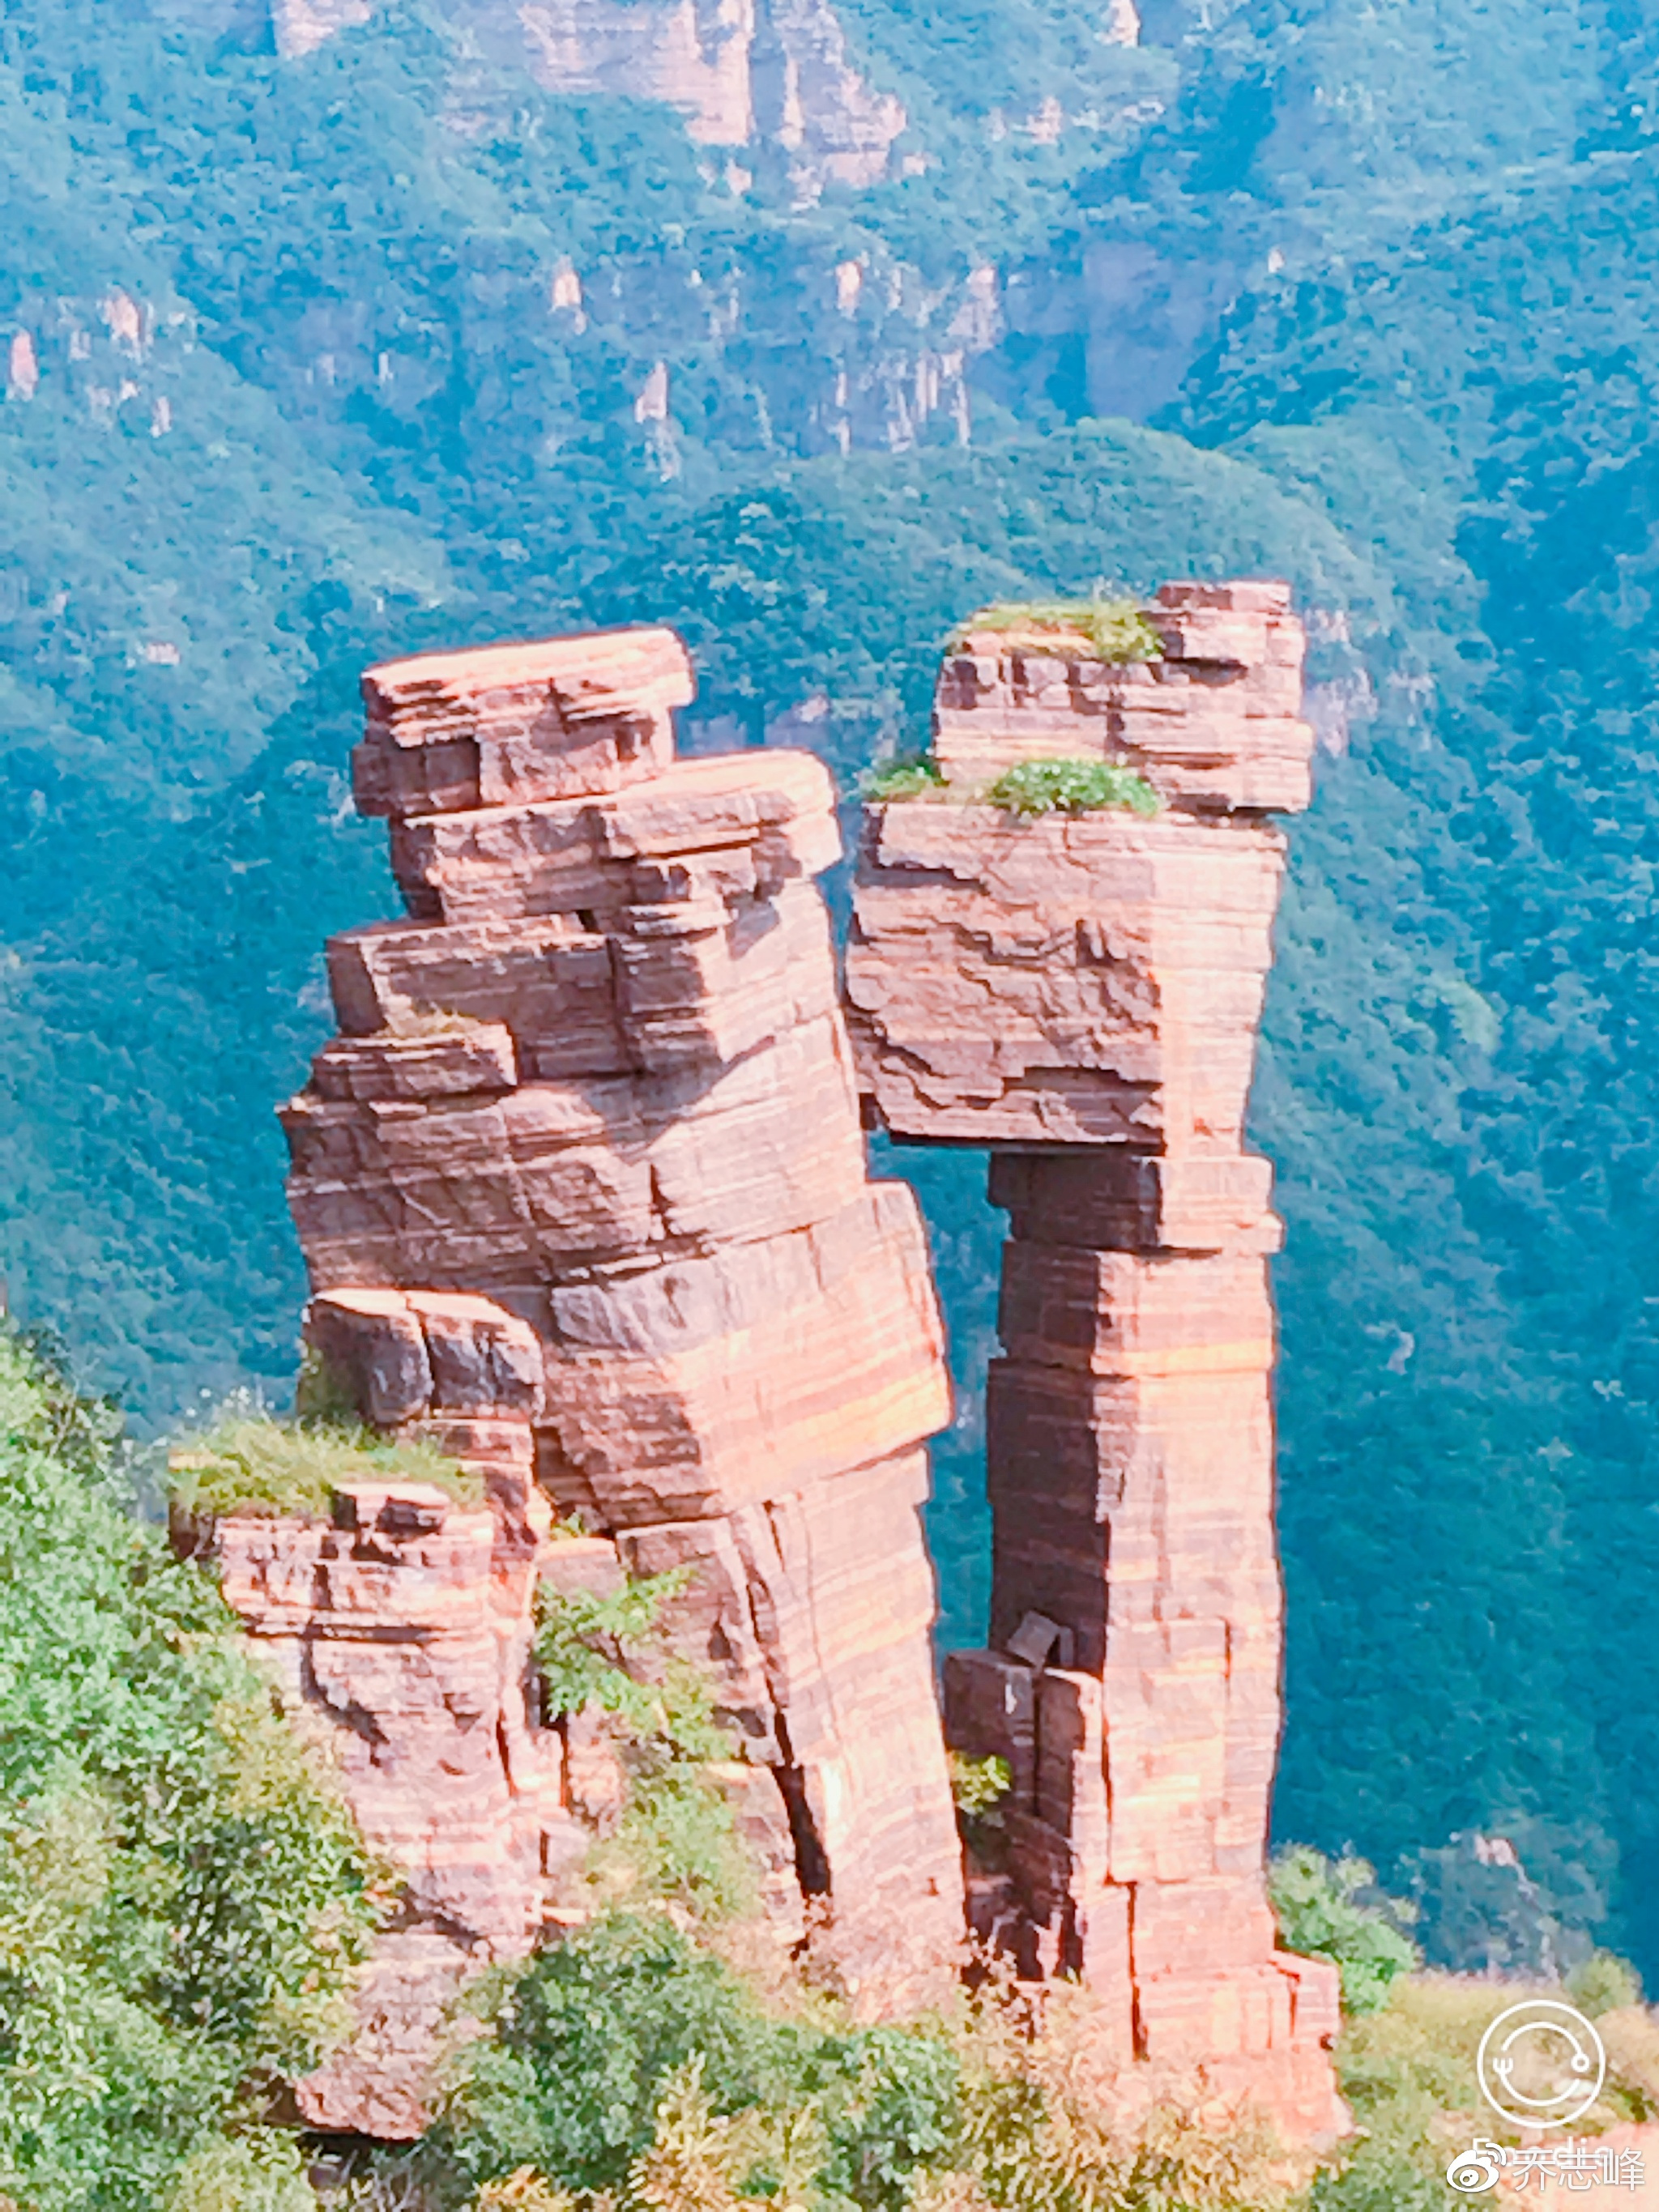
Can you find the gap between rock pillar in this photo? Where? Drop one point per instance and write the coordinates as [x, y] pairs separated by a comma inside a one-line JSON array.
[[597, 1084], [1080, 994]]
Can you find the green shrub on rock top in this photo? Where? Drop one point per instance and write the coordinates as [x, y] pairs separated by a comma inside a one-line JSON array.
[[911, 775], [1071, 786], [250, 1462], [1115, 630]]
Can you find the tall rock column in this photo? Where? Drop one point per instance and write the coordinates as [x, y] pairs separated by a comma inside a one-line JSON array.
[[599, 1078], [1080, 993]]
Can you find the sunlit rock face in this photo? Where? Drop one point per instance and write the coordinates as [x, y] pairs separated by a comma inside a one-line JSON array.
[[1080, 993], [740, 72], [400, 1629], [597, 1084]]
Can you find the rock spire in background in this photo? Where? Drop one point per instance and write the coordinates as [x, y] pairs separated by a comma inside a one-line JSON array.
[[1080, 993], [740, 72]]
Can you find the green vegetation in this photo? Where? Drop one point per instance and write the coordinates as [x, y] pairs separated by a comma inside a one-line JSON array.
[[1115, 630], [1331, 1909], [182, 1896], [677, 1837], [1366, 297], [1071, 786], [631, 2059], [978, 1784], [911, 775], [1604, 1982], [1408, 2070], [182, 1891], [248, 1461]]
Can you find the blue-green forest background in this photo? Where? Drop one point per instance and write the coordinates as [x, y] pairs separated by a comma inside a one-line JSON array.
[[1360, 291]]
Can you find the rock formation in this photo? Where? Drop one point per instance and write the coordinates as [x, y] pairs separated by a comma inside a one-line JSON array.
[[740, 72], [401, 1628], [581, 1190], [582, 1194], [1079, 993]]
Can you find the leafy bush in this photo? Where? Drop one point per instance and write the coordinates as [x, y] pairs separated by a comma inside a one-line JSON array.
[[1331, 1909], [1408, 2069], [1115, 630], [585, 1641], [585, 2040], [249, 1462], [182, 1890], [630, 2061], [1071, 786], [1604, 1982], [677, 1838], [1378, 2179], [978, 1784], [262, 2170], [912, 775]]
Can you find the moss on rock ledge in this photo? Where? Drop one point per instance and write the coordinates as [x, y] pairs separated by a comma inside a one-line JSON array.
[[249, 1462], [1108, 630]]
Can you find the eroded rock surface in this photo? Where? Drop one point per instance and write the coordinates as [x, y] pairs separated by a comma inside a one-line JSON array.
[[740, 72], [402, 1629], [581, 1189], [1080, 993]]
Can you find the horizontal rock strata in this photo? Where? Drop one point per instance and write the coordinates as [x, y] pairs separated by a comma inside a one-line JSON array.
[[592, 1111], [1215, 721], [1081, 994], [403, 1627]]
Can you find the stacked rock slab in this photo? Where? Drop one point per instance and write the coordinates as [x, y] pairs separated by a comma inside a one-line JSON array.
[[1080, 994], [600, 1079], [403, 1627]]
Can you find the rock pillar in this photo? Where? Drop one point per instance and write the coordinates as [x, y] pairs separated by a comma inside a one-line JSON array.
[[1079, 993], [599, 1078]]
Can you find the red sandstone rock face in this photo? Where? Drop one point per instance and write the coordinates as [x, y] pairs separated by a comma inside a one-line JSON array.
[[1082, 995], [403, 1629], [1215, 723], [582, 1192]]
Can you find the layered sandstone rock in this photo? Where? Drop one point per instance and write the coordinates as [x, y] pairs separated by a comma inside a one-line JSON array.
[[587, 1151], [1080, 993], [402, 1628]]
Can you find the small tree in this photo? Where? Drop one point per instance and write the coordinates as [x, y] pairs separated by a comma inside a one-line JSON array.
[[1331, 1909]]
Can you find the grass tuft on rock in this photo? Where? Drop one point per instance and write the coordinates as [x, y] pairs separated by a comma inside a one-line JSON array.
[[250, 1462], [1071, 786], [910, 776], [1113, 629]]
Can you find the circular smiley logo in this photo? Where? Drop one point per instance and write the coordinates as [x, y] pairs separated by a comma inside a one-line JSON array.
[[1541, 2064]]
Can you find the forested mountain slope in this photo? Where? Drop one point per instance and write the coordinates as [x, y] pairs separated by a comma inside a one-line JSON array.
[[316, 359]]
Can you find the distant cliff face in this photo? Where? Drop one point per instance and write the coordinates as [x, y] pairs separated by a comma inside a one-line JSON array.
[[740, 71]]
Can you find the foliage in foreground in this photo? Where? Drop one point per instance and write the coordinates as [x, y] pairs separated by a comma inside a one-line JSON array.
[[1408, 2069], [632, 2071], [676, 1838], [250, 1462], [1071, 786], [182, 1890]]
